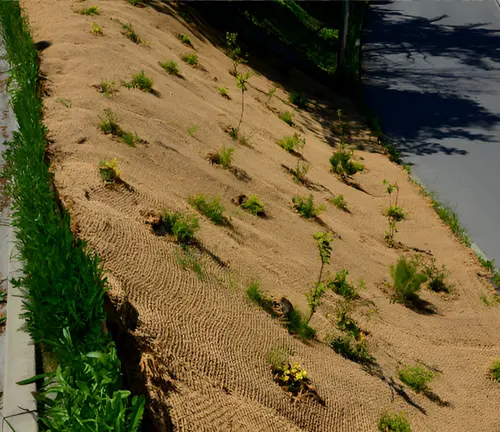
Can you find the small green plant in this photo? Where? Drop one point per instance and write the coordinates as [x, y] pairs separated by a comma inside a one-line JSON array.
[[223, 92], [270, 94], [323, 241], [254, 205], [450, 218], [170, 67], [343, 164], [90, 11], [141, 82], [339, 202], [107, 88], [96, 29], [188, 258], [129, 138], [392, 422], [129, 32], [298, 99], [185, 39], [109, 171], [297, 325], [287, 117], [234, 52], [256, 296], [211, 207], [277, 356], [292, 144], [135, 2], [300, 171], [493, 300], [182, 226], [495, 370], [190, 59], [394, 212], [350, 348], [345, 322], [305, 206], [222, 157], [437, 277], [66, 102], [407, 280], [341, 286], [241, 83], [109, 123], [192, 130], [416, 377]]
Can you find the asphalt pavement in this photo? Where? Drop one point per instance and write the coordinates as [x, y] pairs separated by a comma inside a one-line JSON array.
[[431, 73]]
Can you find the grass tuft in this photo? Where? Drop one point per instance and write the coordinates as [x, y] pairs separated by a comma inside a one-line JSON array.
[[107, 88], [170, 67], [180, 225], [256, 296], [407, 280], [222, 157], [109, 123], [92, 10], [129, 32], [141, 82], [416, 377], [392, 422], [495, 370], [287, 117], [96, 29], [339, 202], [306, 208], [298, 99], [190, 59], [341, 286], [211, 207], [292, 144], [185, 39], [254, 206], [343, 164]]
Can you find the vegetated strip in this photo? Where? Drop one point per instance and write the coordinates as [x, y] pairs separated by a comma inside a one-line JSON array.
[[63, 284]]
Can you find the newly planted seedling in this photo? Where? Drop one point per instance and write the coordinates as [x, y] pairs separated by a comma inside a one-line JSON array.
[[341, 286], [223, 92], [495, 370], [416, 377], [192, 130], [437, 277], [343, 165], [109, 171], [305, 206], [129, 32], [270, 94], [211, 207], [392, 422], [222, 157], [287, 117], [190, 59], [253, 205], [300, 171], [109, 126], [182, 226], [394, 212], [234, 52], [298, 99], [185, 39], [241, 82], [292, 144], [107, 88], [170, 67], [96, 29], [339, 202], [92, 10], [141, 82], [407, 281], [294, 379]]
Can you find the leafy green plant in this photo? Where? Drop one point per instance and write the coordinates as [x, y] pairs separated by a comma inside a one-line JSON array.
[[96, 29], [437, 277], [298, 99], [297, 325], [136, 2], [407, 280], [394, 212], [109, 123], [107, 88], [185, 39], [222, 157], [270, 94], [343, 164], [305, 206], [129, 32], [348, 347], [287, 117], [493, 300], [234, 52], [141, 82], [300, 171], [192, 130], [129, 138], [223, 92], [254, 205], [392, 422], [339, 202], [293, 378], [256, 296], [345, 322], [182, 226], [170, 67], [211, 207], [190, 59], [495, 370], [416, 377], [241, 82], [341, 286], [292, 144], [109, 171], [188, 258], [92, 10]]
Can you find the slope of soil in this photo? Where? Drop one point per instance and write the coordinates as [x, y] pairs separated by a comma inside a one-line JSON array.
[[204, 345]]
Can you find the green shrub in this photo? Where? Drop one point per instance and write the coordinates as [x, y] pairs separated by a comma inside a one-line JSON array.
[[287, 117], [407, 280], [170, 67], [437, 277], [495, 370], [341, 286], [190, 59], [395, 213], [184, 39], [129, 31], [299, 99], [109, 123], [306, 208], [300, 171], [142, 82], [211, 207], [130, 138], [253, 205], [223, 92], [256, 296], [339, 202], [92, 10], [182, 226], [107, 88], [416, 377], [343, 165], [350, 348], [292, 143], [392, 422], [223, 156]]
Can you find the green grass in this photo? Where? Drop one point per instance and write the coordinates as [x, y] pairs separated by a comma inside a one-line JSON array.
[[223, 92], [109, 126], [437, 277], [407, 281], [300, 171], [222, 157], [129, 32], [66, 102], [62, 283], [277, 357], [495, 370], [416, 377], [341, 286], [306, 208], [287, 117], [292, 144], [170, 67], [181, 225], [297, 325], [254, 206], [185, 39], [348, 347], [298, 99], [256, 296], [211, 207], [92, 10], [339, 202], [190, 59], [141, 82], [392, 422], [107, 88], [493, 300], [343, 164], [189, 259], [192, 130]]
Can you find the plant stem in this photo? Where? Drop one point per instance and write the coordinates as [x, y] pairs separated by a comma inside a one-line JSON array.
[[242, 108]]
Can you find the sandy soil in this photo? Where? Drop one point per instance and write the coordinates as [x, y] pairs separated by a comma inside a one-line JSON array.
[[204, 344]]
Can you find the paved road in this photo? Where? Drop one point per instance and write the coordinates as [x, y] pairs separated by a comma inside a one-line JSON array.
[[432, 75]]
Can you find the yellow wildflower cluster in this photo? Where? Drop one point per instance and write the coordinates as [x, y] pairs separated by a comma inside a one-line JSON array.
[[109, 171], [293, 373]]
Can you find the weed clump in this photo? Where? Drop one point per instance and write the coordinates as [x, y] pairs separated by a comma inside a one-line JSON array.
[[297, 325], [222, 157], [339, 202], [223, 92], [253, 205], [90, 11], [348, 347], [298, 99], [189, 259], [109, 126], [495, 370], [270, 94], [294, 379], [292, 144], [96, 29], [129, 32], [392, 422], [341, 286], [211, 207], [343, 164], [170, 67], [107, 88], [407, 280], [109, 171], [256, 296], [182, 226], [141, 82], [394, 212], [287, 117], [192, 130], [416, 377], [437, 277], [299, 172], [306, 208], [185, 39], [190, 59]]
